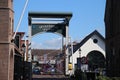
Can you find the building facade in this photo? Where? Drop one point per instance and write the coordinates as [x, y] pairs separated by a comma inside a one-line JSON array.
[[47, 59], [18, 56], [112, 26], [89, 54], [6, 46]]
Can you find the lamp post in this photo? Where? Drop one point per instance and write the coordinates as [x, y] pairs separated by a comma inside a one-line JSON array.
[[79, 62], [23, 49], [71, 43], [79, 53]]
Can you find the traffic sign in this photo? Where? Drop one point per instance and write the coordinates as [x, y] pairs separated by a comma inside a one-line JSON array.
[[84, 60]]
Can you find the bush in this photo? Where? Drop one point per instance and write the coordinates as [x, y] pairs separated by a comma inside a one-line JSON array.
[[78, 74], [108, 78], [116, 78], [103, 78], [84, 77]]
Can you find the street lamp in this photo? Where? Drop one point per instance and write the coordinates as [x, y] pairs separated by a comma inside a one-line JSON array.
[[79, 59], [23, 49], [79, 53]]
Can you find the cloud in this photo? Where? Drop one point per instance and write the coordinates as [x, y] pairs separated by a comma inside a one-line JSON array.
[[55, 43], [36, 45]]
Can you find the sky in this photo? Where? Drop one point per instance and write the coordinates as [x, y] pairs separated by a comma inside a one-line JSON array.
[[88, 15]]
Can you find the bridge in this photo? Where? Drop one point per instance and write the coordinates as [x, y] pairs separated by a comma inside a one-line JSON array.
[[15, 53]]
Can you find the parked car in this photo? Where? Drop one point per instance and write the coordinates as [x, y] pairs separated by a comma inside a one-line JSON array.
[[36, 71], [51, 70]]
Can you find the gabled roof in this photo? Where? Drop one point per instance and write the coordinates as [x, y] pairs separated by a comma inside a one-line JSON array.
[[20, 33], [78, 45]]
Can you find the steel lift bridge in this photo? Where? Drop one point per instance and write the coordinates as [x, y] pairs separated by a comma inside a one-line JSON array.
[[49, 22]]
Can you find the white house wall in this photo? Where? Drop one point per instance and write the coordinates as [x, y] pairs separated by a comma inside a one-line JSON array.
[[89, 46]]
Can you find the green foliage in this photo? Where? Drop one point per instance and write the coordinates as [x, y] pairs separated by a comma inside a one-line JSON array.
[[84, 77], [108, 78], [116, 78], [103, 78]]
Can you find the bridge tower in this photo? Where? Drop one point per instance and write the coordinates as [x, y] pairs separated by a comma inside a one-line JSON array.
[[6, 46]]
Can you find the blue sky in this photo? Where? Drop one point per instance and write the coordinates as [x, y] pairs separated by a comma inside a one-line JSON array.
[[88, 15]]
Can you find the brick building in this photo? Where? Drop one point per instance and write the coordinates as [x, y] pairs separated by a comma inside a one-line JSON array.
[[22, 68], [112, 25], [6, 46], [47, 58], [18, 56]]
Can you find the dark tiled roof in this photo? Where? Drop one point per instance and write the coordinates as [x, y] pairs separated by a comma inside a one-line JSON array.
[[20, 33], [41, 52], [78, 45]]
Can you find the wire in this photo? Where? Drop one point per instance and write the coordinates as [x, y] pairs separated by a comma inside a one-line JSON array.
[[18, 25]]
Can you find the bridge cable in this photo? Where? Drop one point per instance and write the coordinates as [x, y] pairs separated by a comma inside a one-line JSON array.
[[18, 25]]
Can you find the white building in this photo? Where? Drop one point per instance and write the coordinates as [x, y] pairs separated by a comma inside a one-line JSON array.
[[92, 47]]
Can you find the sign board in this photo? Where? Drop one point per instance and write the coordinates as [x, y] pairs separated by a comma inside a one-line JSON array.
[[52, 62], [70, 66], [54, 28], [84, 67], [84, 60]]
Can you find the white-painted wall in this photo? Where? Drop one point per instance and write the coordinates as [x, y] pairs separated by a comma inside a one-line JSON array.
[[87, 47]]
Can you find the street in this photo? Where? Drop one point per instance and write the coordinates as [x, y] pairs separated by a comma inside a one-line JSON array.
[[51, 79]]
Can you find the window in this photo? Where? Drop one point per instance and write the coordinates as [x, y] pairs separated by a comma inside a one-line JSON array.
[[95, 40], [17, 40]]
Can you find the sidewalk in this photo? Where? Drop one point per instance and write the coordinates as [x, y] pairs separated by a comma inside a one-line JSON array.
[[48, 76]]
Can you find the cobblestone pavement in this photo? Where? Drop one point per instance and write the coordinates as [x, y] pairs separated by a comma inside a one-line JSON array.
[[50, 77]]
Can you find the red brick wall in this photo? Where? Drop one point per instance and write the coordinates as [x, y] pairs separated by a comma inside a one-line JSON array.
[[6, 31], [11, 62], [3, 3], [4, 51], [4, 19]]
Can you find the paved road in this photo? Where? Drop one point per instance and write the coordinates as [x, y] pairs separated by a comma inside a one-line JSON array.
[[51, 79]]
